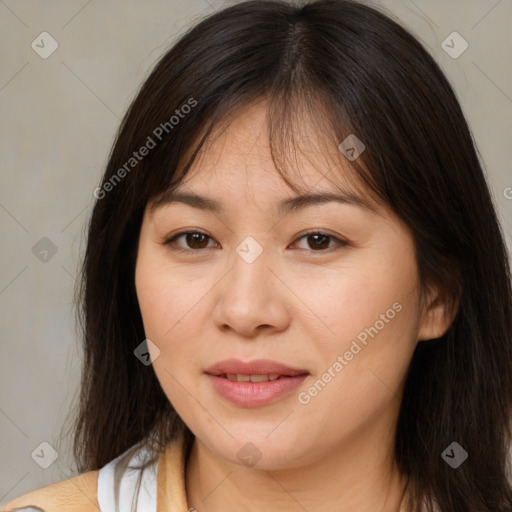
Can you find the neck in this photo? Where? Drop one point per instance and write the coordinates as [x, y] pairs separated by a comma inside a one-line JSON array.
[[359, 475]]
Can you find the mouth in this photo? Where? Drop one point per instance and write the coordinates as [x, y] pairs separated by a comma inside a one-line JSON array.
[[258, 370], [255, 383], [237, 377]]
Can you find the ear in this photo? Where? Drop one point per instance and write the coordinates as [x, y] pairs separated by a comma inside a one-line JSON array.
[[439, 309]]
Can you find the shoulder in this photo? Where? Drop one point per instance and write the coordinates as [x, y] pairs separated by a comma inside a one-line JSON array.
[[77, 493]]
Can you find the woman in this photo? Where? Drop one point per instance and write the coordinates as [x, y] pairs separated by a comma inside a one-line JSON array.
[[296, 293]]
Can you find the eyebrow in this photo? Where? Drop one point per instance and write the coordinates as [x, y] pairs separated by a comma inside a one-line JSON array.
[[292, 204]]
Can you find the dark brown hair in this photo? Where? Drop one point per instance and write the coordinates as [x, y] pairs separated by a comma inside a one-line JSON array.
[[334, 67]]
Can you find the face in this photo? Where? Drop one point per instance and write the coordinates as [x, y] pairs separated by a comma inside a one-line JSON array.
[[328, 289]]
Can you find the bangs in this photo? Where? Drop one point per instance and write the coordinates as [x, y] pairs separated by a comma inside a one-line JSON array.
[[298, 121]]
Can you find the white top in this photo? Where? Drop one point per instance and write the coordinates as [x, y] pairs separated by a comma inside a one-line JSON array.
[[122, 488]]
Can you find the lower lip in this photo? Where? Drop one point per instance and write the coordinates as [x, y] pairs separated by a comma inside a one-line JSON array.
[[254, 394]]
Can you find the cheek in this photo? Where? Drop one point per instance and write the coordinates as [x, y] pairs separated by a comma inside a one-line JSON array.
[[173, 316], [373, 317], [163, 298], [154, 299], [362, 371], [353, 299], [168, 318]]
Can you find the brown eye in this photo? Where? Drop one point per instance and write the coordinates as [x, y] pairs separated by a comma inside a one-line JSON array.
[[194, 240], [320, 242]]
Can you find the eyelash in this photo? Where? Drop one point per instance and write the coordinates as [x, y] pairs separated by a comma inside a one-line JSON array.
[[173, 238]]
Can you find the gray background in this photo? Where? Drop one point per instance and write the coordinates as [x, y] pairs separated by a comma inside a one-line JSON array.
[[59, 117]]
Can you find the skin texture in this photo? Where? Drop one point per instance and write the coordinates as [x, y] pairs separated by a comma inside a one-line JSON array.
[[295, 304]]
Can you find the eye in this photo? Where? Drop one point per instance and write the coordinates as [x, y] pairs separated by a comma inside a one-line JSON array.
[[195, 241], [318, 241]]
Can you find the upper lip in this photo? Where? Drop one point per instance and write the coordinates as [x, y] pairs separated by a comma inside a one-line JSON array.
[[254, 367]]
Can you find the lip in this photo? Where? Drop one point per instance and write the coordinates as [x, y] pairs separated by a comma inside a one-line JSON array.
[[254, 394], [254, 367]]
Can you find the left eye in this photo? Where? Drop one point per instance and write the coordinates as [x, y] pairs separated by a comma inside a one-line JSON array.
[[318, 240], [195, 240]]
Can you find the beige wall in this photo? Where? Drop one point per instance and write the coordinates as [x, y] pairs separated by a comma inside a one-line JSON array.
[[59, 116]]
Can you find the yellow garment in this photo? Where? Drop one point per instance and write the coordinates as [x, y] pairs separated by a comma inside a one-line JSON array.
[[80, 492]]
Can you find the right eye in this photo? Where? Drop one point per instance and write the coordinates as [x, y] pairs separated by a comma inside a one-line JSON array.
[[195, 240]]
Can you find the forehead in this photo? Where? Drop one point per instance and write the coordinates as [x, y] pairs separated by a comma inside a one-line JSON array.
[[237, 158]]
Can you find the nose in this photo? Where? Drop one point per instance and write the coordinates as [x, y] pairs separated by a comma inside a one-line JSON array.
[[251, 297]]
